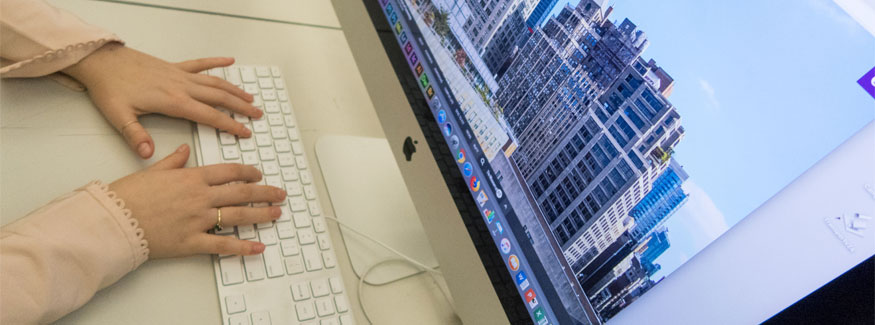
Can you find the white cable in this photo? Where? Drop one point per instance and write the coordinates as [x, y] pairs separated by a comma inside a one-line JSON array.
[[404, 258]]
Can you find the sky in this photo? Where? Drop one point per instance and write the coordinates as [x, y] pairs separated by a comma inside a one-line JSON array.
[[764, 89]]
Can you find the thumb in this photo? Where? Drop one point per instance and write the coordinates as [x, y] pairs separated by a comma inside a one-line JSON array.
[[138, 139], [174, 160]]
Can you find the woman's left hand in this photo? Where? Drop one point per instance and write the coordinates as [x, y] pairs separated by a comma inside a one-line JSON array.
[[125, 83]]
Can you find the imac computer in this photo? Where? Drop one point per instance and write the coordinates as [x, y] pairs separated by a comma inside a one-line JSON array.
[[592, 161]]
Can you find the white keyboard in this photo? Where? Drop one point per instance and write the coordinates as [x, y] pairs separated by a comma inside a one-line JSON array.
[[296, 279]]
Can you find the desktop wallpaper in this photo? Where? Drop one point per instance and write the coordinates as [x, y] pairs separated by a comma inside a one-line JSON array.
[[630, 134]]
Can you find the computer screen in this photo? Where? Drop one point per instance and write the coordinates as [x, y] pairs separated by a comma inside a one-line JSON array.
[[607, 143]]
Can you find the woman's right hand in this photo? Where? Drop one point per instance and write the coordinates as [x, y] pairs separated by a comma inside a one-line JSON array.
[[175, 206]]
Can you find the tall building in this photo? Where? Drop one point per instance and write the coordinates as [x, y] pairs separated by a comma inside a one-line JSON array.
[[593, 133], [656, 245], [540, 13], [505, 42], [556, 76], [662, 201]]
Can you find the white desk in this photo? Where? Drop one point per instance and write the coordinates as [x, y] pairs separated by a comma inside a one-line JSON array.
[[306, 12], [53, 140]]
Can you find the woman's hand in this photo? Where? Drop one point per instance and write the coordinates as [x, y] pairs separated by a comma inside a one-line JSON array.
[[125, 83], [176, 206]]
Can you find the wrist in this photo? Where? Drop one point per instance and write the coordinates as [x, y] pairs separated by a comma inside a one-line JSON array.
[[87, 69]]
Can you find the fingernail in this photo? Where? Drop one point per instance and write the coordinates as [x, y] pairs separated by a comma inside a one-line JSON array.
[[181, 148], [247, 132], [143, 149], [282, 194], [257, 248], [275, 212]]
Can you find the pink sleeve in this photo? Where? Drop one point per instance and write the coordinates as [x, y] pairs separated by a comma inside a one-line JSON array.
[[57, 257], [39, 39]]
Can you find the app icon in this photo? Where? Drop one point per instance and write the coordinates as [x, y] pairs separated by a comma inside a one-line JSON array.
[[460, 155], [540, 317], [533, 303], [429, 92], [448, 129], [403, 37], [454, 141], [442, 116], [482, 161], [489, 215], [475, 184], [408, 48], [413, 58], [423, 80], [467, 169], [419, 69], [522, 280], [499, 227], [398, 28], [530, 298], [514, 263], [389, 9], [482, 198], [393, 17], [499, 193], [505, 246]]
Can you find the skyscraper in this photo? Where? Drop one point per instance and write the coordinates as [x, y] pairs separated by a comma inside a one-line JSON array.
[[662, 201], [657, 245], [540, 13]]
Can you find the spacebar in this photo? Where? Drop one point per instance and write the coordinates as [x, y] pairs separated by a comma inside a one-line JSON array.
[[209, 145]]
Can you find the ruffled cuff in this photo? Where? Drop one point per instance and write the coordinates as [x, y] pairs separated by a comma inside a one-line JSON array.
[[129, 225], [55, 60]]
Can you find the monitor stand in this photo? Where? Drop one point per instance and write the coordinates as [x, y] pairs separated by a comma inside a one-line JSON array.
[[368, 193]]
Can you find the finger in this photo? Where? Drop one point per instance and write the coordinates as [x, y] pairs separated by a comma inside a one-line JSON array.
[[234, 216], [212, 244], [214, 82], [233, 194], [138, 139], [198, 65], [199, 112], [219, 97], [226, 173], [174, 160]]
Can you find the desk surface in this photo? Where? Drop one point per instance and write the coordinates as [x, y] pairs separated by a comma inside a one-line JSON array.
[[42, 122]]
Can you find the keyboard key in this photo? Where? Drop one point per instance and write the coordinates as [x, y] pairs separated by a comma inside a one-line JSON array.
[[329, 321], [306, 177], [324, 307], [293, 134], [329, 260], [260, 127], [226, 138], [233, 76], [257, 102], [252, 89], [286, 108], [247, 144], [270, 168], [285, 230], [282, 95], [314, 208], [310, 192], [305, 310], [235, 304], [301, 162], [312, 257], [298, 204], [246, 232], [320, 287], [273, 261], [324, 241], [267, 236], [265, 83], [346, 320], [300, 291], [286, 214], [290, 120], [238, 320], [290, 247], [274, 181], [262, 71], [289, 174], [241, 118], [279, 133], [231, 269], [336, 285], [306, 237], [270, 94], [294, 264], [298, 147], [318, 224], [302, 220], [229, 152], [283, 145], [271, 107], [247, 74], [294, 188], [279, 84], [342, 303], [261, 318], [286, 160], [266, 154], [254, 267], [250, 158], [226, 231], [263, 140], [274, 119], [275, 71]]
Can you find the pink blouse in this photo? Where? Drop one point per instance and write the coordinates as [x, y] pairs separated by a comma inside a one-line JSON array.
[[56, 258]]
